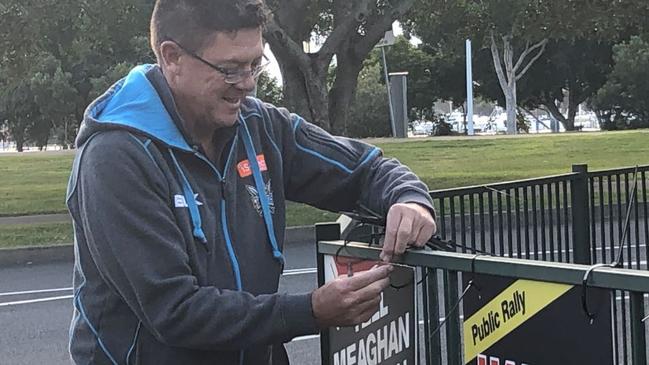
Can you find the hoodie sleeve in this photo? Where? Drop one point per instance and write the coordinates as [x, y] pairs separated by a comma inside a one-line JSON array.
[[139, 251], [337, 173]]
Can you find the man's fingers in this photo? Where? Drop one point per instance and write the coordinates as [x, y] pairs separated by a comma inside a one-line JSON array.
[[391, 228], [368, 277], [372, 290], [425, 233], [404, 235]]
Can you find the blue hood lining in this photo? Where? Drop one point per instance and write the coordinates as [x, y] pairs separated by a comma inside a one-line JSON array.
[[133, 102]]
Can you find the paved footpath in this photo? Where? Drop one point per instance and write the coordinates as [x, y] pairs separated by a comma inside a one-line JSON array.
[[36, 219]]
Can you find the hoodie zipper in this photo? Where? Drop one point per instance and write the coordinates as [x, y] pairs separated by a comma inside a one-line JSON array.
[[224, 219]]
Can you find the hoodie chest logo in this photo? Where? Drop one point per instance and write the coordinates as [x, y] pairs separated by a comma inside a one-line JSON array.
[[254, 198], [180, 202], [245, 170]]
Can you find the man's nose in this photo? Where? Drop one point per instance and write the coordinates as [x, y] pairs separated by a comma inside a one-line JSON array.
[[247, 84]]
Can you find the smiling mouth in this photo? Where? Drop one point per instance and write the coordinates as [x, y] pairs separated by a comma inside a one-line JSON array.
[[233, 101]]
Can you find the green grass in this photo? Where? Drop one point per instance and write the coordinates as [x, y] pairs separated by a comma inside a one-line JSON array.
[[22, 235], [35, 183], [454, 163]]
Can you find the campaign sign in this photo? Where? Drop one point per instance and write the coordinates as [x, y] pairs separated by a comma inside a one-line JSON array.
[[524, 322], [389, 337]]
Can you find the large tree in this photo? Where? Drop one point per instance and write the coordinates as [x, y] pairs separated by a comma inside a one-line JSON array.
[[623, 102], [517, 32], [350, 30], [52, 54]]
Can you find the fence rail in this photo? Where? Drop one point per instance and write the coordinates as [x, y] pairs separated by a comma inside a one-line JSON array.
[[634, 281], [573, 218]]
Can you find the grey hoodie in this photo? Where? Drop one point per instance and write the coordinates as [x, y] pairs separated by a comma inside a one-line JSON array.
[[178, 259]]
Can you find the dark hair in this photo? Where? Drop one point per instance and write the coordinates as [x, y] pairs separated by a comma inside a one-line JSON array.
[[190, 22]]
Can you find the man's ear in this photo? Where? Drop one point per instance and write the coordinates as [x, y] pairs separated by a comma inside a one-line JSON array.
[[170, 55]]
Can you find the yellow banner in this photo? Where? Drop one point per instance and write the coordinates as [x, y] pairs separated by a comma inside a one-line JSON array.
[[504, 313]]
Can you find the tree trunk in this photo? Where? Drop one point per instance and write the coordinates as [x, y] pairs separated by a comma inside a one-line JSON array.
[[572, 111], [510, 101], [20, 141], [341, 95], [305, 74], [510, 73]]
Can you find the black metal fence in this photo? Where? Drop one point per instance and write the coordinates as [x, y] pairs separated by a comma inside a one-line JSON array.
[[577, 217]]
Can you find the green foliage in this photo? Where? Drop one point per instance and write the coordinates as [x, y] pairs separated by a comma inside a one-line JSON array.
[[370, 115], [54, 55], [269, 90], [623, 102]]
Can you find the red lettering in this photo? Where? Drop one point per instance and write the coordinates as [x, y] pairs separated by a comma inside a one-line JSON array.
[[482, 360]]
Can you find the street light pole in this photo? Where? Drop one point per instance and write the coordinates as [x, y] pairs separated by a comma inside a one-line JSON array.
[[387, 85], [469, 88]]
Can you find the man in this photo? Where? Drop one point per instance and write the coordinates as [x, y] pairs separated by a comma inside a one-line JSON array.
[[178, 197]]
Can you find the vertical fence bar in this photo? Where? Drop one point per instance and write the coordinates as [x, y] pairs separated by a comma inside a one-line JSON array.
[[431, 318], [602, 225], [646, 215], [593, 220], [453, 345], [627, 201], [501, 232], [616, 335], [566, 227], [611, 223], [638, 329], [482, 227], [618, 185], [636, 214], [535, 219], [472, 222], [542, 213], [518, 224], [550, 221], [462, 224], [560, 222], [580, 219], [492, 228], [526, 216], [625, 343], [442, 217], [452, 211], [510, 228]]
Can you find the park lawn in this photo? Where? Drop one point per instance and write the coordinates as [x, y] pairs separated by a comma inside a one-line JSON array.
[[35, 183], [30, 235]]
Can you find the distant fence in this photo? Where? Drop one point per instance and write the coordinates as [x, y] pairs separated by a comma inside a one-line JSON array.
[[561, 220], [576, 217]]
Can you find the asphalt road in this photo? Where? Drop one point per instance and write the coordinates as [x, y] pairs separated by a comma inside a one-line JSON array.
[[36, 309]]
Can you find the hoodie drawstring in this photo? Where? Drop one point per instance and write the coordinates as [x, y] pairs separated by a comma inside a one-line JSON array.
[[190, 200], [263, 197]]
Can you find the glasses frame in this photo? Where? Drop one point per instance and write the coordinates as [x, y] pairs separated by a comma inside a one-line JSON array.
[[229, 76]]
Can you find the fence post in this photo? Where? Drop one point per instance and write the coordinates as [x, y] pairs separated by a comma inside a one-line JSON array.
[[580, 215], [453, 332], [638, 341], [324, 232], [431, 317]]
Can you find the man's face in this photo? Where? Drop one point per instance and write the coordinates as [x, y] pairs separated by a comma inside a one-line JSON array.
[[203, 93]]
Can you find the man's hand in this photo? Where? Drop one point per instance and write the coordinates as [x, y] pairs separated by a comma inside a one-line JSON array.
[[348, 301], [408, 224]]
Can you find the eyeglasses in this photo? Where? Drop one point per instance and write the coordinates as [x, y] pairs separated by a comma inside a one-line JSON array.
[[231, 76]]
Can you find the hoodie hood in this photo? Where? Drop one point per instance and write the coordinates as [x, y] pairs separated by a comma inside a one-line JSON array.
[[133, 103]]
